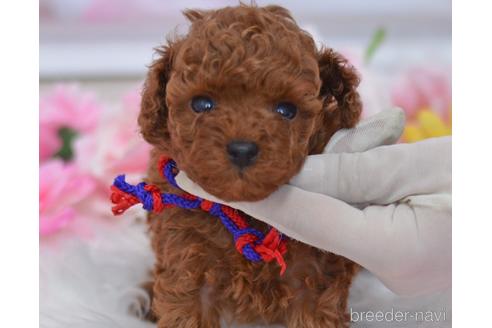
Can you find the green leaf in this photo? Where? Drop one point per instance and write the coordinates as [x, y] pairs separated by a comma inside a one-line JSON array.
[[67, 135], [377, 39]]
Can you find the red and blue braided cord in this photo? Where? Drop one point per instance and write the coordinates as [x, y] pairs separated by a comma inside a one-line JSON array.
[[252, 243]]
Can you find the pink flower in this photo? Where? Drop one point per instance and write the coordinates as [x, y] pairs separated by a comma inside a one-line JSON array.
[[423, 88], [61, 188], [116, 147], [49, 141], [65, 106]]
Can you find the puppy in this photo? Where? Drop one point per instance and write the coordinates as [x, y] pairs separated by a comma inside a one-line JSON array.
[[238, 103]]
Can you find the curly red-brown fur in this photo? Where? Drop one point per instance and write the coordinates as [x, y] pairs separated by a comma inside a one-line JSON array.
[[247, 59]]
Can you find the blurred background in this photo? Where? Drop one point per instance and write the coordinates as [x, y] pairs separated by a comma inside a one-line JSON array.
[[94, 56], [109, 42], [93, 59]]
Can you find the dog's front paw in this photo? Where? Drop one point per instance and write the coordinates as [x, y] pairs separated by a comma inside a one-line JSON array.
[[141, 306]]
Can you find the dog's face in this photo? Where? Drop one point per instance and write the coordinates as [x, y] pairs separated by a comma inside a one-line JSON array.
[[243, 99]]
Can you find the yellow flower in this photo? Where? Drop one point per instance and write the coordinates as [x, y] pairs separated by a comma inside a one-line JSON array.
[[427, 124]]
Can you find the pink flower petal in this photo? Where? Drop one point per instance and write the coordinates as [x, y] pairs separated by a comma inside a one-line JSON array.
[[61, 187], [51, 224], [67, 106], [421, 87], [49, 142]]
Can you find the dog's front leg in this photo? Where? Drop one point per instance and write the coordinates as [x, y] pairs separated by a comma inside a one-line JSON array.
[[325, 309], [179, 303]]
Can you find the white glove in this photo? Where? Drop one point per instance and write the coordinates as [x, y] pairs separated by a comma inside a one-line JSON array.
[[403, 236]]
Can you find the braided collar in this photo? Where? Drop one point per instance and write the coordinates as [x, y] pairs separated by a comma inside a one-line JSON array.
[[251, 243]]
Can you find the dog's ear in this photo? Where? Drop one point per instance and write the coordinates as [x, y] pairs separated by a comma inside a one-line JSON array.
[[341, 101], [153, 110], [340, 81]]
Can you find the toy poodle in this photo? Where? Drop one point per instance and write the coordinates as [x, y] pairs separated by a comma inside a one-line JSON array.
[[238, 103]]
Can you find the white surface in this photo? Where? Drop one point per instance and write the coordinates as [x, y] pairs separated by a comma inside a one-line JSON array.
[[93, 283], [369, 296]]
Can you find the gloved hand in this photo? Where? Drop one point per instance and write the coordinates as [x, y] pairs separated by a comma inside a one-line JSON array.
[[399, 224]]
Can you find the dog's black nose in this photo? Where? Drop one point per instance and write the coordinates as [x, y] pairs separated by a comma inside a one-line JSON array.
[[242, 153]]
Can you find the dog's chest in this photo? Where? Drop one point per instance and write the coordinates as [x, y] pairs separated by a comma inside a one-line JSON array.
[[194, 231]]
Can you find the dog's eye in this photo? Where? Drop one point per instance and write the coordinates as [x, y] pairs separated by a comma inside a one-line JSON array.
[[287, 110], [202, 104]]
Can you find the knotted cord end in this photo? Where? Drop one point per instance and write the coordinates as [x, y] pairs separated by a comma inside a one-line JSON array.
[[121, 200], [273, 248]]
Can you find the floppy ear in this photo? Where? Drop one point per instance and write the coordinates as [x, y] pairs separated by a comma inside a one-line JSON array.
[[153, 110], [341, 101]]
